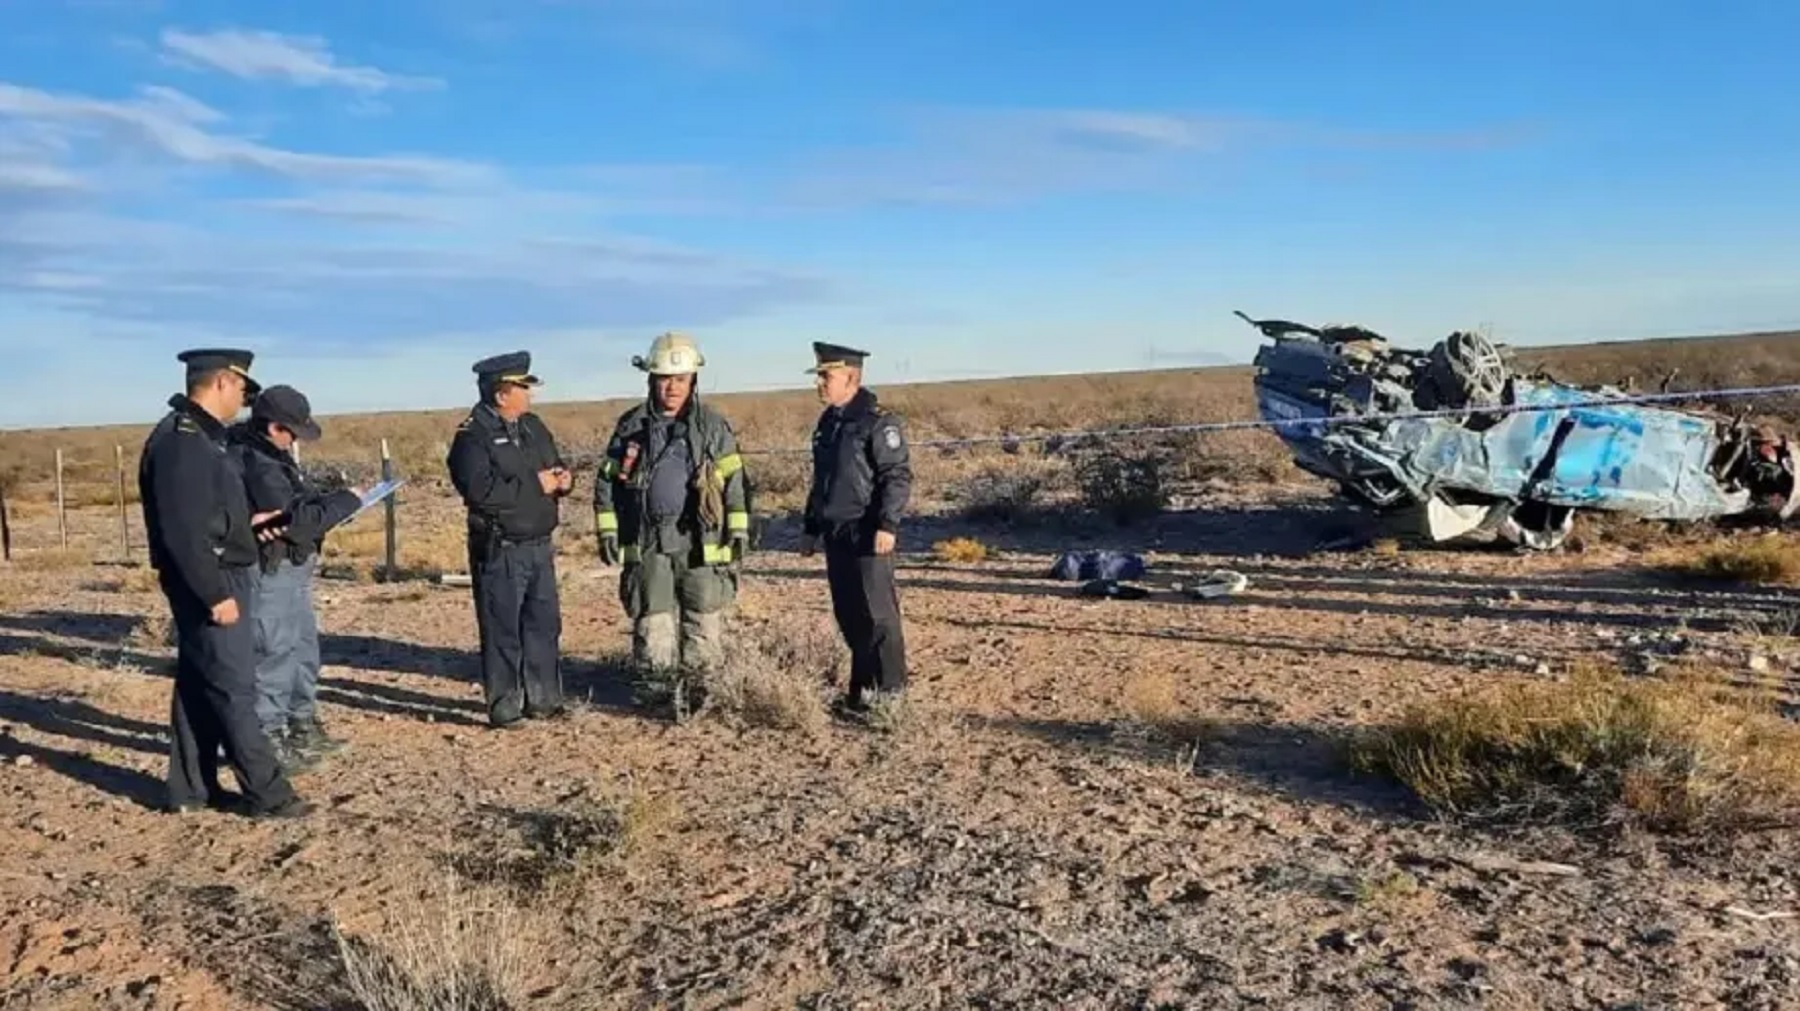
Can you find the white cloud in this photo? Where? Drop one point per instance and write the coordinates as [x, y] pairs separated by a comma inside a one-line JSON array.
[[302, 60], [999, 156], [171, 124], [129, 254]]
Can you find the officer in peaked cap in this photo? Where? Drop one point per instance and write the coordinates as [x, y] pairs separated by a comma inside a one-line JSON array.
[[505, 465], [862, 482], [198, 523]]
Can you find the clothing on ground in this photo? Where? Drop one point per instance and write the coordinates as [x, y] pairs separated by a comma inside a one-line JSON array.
[[1101, 564]]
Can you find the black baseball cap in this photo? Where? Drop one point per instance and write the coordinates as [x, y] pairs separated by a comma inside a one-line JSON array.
[[289, 408]]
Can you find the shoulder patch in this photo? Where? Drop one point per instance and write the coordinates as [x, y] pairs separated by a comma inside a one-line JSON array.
[[186, 424], [891, 436]]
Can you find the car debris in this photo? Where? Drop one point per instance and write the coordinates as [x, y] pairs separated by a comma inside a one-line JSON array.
[[1520, 475]]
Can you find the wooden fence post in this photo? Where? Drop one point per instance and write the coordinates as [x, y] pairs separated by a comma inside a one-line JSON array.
[[124, 523], [62, 520], [387, 474], [5, 527]]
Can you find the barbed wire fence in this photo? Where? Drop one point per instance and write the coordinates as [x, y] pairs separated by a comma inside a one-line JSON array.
[[120, 488]]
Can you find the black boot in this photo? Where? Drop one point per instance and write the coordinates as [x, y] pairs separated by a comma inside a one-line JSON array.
[[307, 735], [292, 759]]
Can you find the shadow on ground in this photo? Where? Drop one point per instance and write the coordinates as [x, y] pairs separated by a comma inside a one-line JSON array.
[[1307, 763], [137, 787], [1283, 530]]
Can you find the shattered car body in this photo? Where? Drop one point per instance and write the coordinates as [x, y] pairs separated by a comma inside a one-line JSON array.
[[1515, 473]]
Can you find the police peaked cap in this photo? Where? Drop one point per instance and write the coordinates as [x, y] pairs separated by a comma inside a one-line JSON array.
[[200, 361], [835, 356], [513, 367]]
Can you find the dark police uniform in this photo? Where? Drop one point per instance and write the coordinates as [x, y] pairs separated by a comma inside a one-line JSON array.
[[287, 627], [862, 481], [512, 556], [197, 523]]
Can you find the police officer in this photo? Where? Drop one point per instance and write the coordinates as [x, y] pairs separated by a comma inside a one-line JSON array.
[[670, 503], [862, 481], [199, 528], [287, 629], [511, 476]]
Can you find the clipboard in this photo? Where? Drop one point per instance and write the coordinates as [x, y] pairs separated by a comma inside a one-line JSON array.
[[374, 496]]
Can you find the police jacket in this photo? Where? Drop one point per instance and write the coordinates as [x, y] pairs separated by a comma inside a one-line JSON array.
[[494, 466], [196, 515], [273, 482], [622, 484], [862, 470]]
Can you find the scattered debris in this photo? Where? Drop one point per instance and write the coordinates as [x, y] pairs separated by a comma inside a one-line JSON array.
[[1217, 583], [1749, 914]]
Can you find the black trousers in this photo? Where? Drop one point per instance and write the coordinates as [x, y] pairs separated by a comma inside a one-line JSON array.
[[866, 604], [214, 704], [519, 615]]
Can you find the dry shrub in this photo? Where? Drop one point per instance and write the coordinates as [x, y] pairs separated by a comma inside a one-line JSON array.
[[778, 480], [966, 550], [1123, 485], [1768, 559], [1690, 754], [999, 494], [1237, 457], [776, 675], [451, 954]]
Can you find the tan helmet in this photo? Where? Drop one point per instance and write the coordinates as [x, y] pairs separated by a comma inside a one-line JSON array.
[[672, 354]]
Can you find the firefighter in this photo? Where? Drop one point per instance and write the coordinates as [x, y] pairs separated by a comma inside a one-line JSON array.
[[862, 482], [505, 465], [670, 503]]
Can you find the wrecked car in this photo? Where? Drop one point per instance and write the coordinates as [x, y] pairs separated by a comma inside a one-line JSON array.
[[1471, 472]]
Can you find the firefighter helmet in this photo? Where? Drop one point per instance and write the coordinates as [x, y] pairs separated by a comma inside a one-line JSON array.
[[672, 354]]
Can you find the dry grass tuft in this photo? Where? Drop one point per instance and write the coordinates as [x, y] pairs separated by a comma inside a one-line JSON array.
[[1685, 755], [776, 676], [550, 850], [422, 549], [964, 550], [451, 954], [1158, 714], [1772, 558]]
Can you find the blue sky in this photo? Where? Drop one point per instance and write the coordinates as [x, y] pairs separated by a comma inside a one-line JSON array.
[[373, 195]]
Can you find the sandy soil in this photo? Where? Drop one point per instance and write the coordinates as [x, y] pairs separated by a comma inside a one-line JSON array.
[[1021, 841]]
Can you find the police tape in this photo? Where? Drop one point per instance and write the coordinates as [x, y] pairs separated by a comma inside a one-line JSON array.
[[1322, 421]]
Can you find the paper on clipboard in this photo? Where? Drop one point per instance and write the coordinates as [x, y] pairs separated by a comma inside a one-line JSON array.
[[375, 495]]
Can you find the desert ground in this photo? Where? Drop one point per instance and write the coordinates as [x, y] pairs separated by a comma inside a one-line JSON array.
[[1085, 803]]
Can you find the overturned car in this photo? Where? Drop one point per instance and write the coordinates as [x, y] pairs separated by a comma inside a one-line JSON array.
[[1501, 455]]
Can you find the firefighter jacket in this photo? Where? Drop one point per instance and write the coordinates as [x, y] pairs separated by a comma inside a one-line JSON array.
[[716, 507]]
